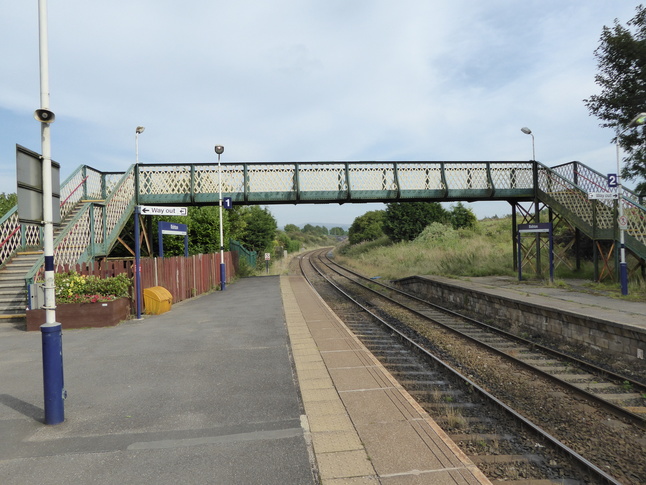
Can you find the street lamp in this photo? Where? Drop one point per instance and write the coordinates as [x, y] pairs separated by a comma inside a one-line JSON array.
[[640, 119], [138, 131], [51, 330], [527, 131], [219, 149]]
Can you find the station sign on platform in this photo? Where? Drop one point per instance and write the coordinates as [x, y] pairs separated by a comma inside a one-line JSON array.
[[152, 210]]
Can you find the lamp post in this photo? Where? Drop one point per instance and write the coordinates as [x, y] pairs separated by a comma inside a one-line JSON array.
[[219, 149], [640, 119], [527, 131], [51, 330], [139, 130]]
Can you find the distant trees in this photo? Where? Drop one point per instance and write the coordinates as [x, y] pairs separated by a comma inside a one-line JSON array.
[[367, 227], [462, 217], [404, 221]]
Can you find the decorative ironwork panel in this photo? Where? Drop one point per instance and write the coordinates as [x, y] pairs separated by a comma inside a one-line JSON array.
[[271, 177], [322, 177], [165, 179], [120, 202], [372, 177], [15, 236], [512, 175], [74, 241], [420, 176], [98, 226], [206, 179], [465, 176]]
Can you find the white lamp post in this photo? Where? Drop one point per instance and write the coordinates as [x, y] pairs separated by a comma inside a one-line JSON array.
[[640, 119], [219, 149], [51, 330], [139, 130], [527, 131]]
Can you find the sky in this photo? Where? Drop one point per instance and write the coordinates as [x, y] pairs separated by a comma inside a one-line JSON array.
[[288, 80]]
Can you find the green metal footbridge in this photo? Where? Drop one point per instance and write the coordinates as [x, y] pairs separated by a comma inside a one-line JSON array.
[[96, 205]]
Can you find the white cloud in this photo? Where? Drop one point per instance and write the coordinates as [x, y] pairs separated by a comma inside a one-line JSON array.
[[288, 80]]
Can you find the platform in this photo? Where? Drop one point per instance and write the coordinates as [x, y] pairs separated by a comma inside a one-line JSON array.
[[364, 425], [220, 390]]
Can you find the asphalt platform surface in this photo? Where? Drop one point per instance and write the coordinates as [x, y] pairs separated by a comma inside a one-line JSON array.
[[204, 394]]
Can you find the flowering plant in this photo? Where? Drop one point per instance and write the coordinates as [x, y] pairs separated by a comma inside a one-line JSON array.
[[72, 287]]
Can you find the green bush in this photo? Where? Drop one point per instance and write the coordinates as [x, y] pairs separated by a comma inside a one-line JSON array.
[[72, 287]]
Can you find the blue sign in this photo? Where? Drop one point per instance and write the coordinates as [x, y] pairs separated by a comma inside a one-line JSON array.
[[227, 203], [171, 228], [613, 180]]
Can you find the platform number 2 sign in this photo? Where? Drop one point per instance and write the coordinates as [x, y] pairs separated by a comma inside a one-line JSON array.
[[613, 180]]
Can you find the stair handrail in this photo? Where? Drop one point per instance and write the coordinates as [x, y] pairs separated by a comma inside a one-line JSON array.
[[599, 215], [17, 236], [592, 181], [87, 229]]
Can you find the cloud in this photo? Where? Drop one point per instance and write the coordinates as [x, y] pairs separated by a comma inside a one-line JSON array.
[[288, 81]]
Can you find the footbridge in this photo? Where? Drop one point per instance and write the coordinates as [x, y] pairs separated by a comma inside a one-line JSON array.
[[96, 205]]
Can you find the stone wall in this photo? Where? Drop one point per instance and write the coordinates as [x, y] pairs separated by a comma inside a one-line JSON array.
[[525, 318]]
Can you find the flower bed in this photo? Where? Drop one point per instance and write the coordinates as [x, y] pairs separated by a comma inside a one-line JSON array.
[[84, 315], [87, 301]]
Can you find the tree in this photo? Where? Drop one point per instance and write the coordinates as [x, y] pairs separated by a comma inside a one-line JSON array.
[[404, 221], [337, 231], [292, 228], [461, 216], [260, 229], [367, 227], [7, 202], [621, 58]]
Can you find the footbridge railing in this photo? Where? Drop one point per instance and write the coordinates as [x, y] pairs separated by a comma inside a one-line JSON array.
[[325, 182], [565, 188], [97, 205]]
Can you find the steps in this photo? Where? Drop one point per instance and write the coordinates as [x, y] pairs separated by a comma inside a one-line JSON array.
[[13, 293]]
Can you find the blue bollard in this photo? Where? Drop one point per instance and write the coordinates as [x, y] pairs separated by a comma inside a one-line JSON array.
[[52, 338]]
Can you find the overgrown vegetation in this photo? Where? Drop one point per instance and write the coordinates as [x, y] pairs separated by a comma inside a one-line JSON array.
[[482, 249]]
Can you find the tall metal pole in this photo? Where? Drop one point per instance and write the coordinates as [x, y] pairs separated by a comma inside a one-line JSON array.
[[623, 266], [52, 340], [219, 149], [640, 119]]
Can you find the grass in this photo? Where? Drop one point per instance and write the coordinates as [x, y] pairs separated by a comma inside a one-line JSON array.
[[486, 250]]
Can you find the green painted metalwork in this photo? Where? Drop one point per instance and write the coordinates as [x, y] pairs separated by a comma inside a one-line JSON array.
[[106, 200], [325, 182]]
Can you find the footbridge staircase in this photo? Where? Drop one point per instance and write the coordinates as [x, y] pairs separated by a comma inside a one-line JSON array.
[[96, 205]]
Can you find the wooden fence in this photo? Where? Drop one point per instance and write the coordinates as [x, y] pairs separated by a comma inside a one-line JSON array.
[[182, 277]]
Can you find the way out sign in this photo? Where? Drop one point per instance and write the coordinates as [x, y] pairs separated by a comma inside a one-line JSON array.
[[155, 210]]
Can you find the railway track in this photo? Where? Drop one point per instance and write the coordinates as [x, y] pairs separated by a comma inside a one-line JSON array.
[[468, 376]]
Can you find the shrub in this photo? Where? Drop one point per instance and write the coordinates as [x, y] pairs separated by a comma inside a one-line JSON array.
[[72, 287]]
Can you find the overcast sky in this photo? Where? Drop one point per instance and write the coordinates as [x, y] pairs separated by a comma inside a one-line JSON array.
[[289, 80]]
